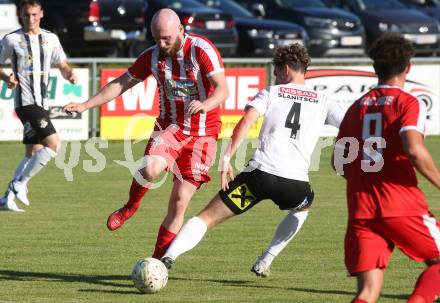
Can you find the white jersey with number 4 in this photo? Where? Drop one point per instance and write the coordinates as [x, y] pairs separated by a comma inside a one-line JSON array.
[[294, 116]]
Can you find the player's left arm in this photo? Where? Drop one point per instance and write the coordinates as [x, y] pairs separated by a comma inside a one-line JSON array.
[[218, 97], [67, 72], [412, 130], [419, 155]]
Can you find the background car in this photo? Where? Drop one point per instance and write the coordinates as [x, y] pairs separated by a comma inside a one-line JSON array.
[[380, 16], [8, 16], [258, 37], [95, 27], [217, 26], [331, 31], [429, 7]]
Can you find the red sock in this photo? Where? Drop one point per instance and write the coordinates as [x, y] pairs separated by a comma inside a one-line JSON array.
[[359, 301], [164, 239], [136, 194], [427, 286]]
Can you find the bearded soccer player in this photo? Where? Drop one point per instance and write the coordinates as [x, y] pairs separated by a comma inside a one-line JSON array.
[[192, 84], [380, 142]]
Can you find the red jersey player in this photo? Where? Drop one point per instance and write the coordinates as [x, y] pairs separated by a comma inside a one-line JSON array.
[[380, 142], [192, 84]]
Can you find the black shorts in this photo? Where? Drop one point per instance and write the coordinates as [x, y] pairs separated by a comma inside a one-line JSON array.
[[249, 188], [36, 123]]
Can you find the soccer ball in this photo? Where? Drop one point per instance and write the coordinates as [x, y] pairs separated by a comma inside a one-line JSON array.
[[149, 275]]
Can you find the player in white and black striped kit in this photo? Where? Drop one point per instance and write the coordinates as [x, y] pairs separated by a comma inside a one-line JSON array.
[[32, 52], [294, 116]]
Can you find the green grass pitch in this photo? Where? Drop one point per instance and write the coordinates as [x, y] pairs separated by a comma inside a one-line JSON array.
[[60, 250]]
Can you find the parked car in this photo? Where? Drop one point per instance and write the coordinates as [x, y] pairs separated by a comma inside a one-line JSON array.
[[258, 37], [429, 7], [331, 31], [380, 16], [95, 27], [217, 26], [8, 16]]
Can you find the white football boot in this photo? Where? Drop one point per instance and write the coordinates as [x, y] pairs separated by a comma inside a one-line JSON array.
[[261, 268], [20, 191], [7, 203]]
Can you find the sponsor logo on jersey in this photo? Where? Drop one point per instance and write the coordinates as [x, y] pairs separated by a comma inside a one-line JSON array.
[[298, 92], [180, 88], [188, 65]]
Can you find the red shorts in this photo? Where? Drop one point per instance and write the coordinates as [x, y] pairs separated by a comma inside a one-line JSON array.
[[188, 157], [369, 243]]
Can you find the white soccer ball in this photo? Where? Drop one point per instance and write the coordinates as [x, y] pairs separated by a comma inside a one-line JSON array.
[[149, 275]]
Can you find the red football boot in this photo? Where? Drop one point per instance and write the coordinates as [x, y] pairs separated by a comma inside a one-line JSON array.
[[118, 217]]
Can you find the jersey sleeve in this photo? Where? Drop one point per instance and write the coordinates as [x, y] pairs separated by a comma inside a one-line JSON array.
[[335, 113], [209, 60], [260, 102], [413, 115], [6, 50], [141, 68], [58, 54]]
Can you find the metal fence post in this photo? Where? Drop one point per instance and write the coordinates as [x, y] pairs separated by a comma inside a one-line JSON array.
[[94, 132]]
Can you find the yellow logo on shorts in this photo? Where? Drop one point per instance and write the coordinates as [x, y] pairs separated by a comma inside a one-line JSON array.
[[242, 197]]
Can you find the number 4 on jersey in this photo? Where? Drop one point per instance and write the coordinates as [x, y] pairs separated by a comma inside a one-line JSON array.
[[292, 120]]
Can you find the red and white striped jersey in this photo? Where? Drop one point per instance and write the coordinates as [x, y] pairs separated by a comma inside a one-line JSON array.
[[181, 79], [391, 189]]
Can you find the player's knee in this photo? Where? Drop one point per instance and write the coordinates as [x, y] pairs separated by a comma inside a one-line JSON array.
[[152, 170], [149, 173]]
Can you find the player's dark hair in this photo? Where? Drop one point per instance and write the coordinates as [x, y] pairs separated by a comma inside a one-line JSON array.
[[295, 55], [391, 54], [24, 3]]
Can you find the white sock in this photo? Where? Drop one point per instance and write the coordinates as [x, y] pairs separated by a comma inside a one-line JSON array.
[[188, 237], [20, 168], [36, 163], [18, 171], [285, 232]]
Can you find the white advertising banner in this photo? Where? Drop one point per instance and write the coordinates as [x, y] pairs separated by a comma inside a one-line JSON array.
[[348, 83], [60, 92]]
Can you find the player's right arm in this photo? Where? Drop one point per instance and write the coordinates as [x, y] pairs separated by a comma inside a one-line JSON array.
[[136, 73], [109, 92], [419, 156], [238, 135], [10, 79], [253, 110], [6, 49]]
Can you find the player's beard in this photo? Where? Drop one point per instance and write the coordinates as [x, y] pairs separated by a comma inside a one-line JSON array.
[[170, 52]]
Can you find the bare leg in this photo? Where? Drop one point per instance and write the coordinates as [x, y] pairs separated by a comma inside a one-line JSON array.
[[369, 285], [181, 194], [193, 231]]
